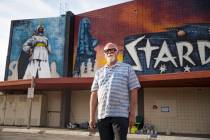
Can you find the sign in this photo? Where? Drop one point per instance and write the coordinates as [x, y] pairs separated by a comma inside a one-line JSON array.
[[181, 49], [30, 93], [165, 109]]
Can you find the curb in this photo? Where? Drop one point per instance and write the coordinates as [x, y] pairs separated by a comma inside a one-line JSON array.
[[62, 132], [85, 134], [33, 131]]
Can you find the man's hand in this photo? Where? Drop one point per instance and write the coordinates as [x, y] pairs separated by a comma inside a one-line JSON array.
[[93, 106], [133, 105], [132, 120], [92, 124]]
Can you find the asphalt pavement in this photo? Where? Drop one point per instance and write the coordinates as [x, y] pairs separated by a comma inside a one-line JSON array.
[[28, 136], [16, 133]]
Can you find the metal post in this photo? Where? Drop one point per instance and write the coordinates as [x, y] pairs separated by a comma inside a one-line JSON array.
[[30, 105]]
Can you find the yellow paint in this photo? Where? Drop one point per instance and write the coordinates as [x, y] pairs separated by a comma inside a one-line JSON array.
[[102, 61], [120, 57]]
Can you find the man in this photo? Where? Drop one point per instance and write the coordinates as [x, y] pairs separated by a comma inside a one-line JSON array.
[[38, 49], [114, 91]]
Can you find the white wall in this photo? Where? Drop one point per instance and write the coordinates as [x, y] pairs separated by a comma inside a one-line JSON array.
[[189, 109], [79, 111]]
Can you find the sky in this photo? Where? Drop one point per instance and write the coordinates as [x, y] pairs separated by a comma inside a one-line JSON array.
[[25, 9]]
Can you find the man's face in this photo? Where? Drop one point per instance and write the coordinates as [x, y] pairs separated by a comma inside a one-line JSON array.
[[110, 53]]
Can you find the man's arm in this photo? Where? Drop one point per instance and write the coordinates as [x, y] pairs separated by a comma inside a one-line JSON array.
[[133, 106], [133, 86], [93, 106]]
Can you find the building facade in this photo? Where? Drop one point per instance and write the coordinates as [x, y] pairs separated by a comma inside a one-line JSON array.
[[166, 42]]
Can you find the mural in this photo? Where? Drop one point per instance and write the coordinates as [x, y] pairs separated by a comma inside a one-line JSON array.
[[174, 39], [86, 55], [90, 55], [36, 48], [181, 49]]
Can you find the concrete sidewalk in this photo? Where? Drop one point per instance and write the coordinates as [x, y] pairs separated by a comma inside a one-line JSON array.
[[36, 130]]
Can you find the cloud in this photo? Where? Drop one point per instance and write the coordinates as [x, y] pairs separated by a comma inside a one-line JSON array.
[[15, 10], [25, 9], [81, 6]]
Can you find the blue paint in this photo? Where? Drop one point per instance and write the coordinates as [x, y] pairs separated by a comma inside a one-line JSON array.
[[85, 49], [54, 31]]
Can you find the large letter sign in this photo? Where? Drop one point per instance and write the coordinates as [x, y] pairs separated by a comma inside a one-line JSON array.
[[168, 52]]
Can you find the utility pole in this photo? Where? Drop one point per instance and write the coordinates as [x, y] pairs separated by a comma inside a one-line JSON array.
[[30, 97]]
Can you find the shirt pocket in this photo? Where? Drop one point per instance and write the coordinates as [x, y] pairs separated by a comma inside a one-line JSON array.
[[121, 77]]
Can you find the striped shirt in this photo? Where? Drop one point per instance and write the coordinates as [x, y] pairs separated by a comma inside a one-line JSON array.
[[113, 85]]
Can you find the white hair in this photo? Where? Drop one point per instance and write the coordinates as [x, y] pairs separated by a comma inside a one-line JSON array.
[[111, 44]]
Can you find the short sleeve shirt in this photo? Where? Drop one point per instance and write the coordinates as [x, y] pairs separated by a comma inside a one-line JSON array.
[[113, 85]]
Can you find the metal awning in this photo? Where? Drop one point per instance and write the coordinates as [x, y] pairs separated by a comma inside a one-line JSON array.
[[182, 79]]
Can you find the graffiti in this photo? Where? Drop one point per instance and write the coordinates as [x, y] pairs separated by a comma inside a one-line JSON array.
[[183, 49], [86, 54]]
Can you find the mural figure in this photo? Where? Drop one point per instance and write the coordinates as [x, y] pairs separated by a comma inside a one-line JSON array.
[[85, 50], [38, 49]]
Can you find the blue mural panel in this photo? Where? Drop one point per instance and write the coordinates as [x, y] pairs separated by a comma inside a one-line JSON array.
[[37, 48], [86, 55], [180, 49]]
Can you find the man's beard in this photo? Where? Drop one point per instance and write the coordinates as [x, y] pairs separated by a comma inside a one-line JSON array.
[[110, 59]]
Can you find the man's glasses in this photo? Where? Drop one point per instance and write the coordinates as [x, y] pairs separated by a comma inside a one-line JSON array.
[[112, 50]]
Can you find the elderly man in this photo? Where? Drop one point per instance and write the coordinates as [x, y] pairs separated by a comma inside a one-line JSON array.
[[114, 91]]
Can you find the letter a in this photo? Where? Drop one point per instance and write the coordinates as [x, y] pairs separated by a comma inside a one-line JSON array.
[[165, 51]]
